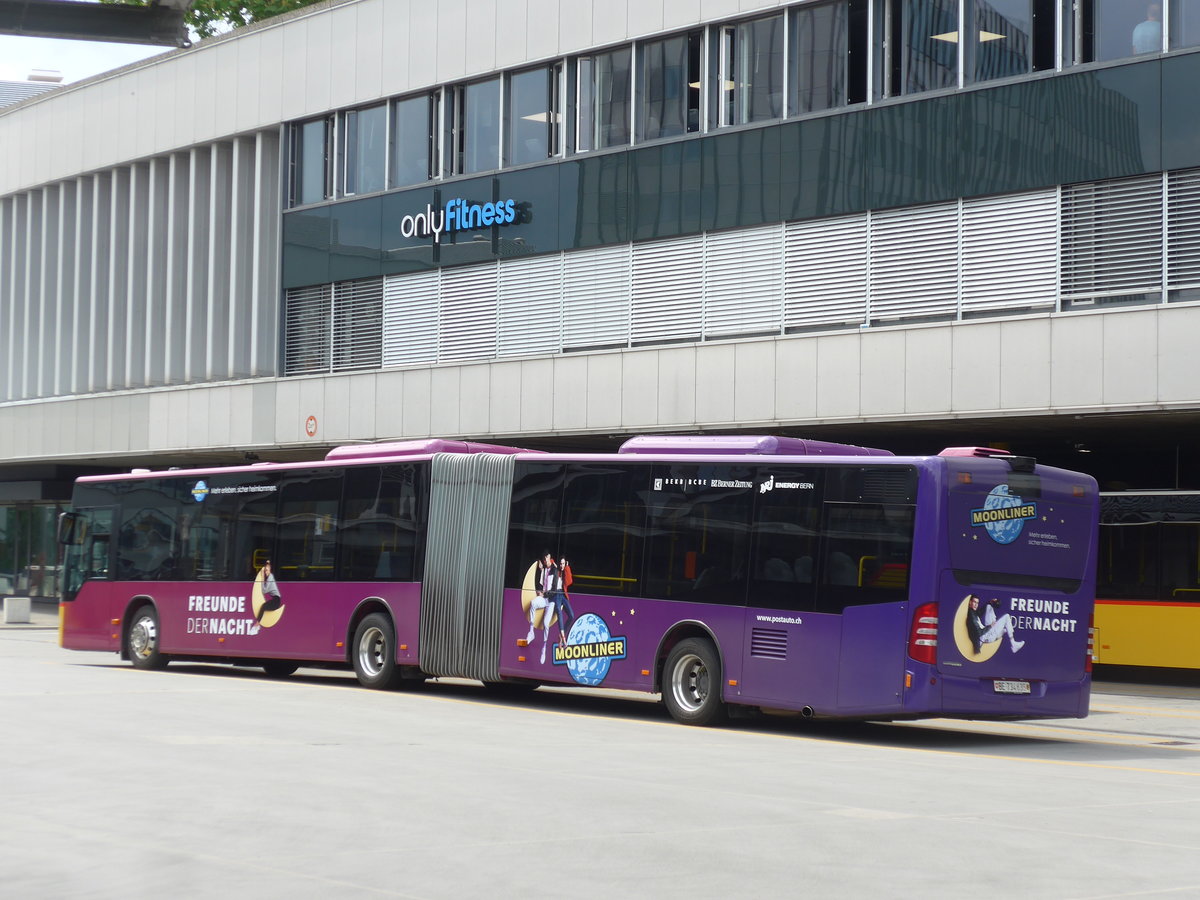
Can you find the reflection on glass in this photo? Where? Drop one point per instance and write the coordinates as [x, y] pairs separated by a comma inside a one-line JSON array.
[[819, 63], [478, 138], [1115, 29], [750, 72], [534, 114], [310, 144], [364, 150], [411, 130], [604, 99], [1185, 24], [1002, 39], [669, 87], [930, 29]]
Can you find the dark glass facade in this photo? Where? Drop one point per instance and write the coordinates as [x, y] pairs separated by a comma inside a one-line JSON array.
[[1056, 129]]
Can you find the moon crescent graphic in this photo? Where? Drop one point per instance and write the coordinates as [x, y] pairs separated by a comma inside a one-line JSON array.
[[257, 600], [963, 640]]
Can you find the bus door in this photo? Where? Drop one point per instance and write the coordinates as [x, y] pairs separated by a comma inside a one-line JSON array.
[[789, 649], [86, 538]]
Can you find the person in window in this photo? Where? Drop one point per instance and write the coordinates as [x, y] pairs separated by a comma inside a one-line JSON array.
[[1147, 36], [984, 627]]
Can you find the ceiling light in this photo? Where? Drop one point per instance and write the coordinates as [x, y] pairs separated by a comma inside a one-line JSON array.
[[950, 37], [990, 36]]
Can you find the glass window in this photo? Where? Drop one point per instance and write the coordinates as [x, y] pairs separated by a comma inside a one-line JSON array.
[[534, 115], [1185, 24], [382, 527], [364, 150], [604, 99], [1003, 43], [476, 133], [669, 87], [786, 522], [308, 518], [413, 128], [247, 507], [916, 45], [534, 517], [867, 532], [604, 518], [1129, 557], [819, 63], [1116, 29], [698, 533], [149, 543], [749, 71], [310, 161]]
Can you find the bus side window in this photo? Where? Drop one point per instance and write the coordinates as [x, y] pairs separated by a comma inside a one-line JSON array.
[[868, 547]]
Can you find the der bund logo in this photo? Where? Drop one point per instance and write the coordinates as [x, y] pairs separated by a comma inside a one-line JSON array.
[[1003, 515]]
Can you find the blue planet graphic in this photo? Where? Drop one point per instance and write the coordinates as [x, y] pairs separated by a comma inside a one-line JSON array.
[[1004, 532], [589, 629]]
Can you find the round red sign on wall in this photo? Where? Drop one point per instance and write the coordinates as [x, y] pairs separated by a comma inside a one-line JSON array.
[[310, 426]]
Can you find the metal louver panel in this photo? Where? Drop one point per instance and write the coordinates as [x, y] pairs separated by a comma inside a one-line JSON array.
[[531, 306], [743, 281], [825, 272], [1183, 229], [668, 290], [597, 285], [308, 313], [467, 328], [410, 315], [768, 643], [358, 324], [1112, 238], [914, 262], [1010, 252]]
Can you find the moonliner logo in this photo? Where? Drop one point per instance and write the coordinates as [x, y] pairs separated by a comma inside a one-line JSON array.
[[200, 491], [458, 215], [1003, 514]]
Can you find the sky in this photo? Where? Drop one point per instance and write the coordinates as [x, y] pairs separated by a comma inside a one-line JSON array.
[[76, 60]]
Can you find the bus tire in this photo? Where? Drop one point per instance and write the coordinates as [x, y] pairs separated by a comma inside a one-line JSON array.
[[279, 668], [373, 653], [141, 639], [692, 683]]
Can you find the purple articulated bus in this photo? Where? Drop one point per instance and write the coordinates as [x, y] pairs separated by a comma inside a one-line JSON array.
[[728, 573]]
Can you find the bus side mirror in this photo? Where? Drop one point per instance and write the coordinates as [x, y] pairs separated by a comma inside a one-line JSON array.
[[70, 528]]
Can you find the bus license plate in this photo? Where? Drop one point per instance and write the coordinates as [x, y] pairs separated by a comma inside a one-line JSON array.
[[1011, 687]]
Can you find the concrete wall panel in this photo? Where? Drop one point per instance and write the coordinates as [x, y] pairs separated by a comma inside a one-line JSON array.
[[838, 379], [883, 367], [504, 397], [1178, 363], [1077, 368], [475, 406], [537, 395], [974, 379], [1023, 357], [570, 392], [1130, 350], [928, 361], [795, 379], [416, 400], [445, 400], [639, 391], [604, 391], [542, 28], [753, 382], [389, 406], [451, 44], [677, 386], [512, 26]]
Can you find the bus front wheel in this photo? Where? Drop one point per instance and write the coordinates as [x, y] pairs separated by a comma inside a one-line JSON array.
[[141, 639], [692, 683], [374, 653]]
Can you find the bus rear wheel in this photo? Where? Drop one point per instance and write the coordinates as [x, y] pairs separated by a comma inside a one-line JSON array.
[[373, 653], [279, 668], [692, 683], [141, 639]]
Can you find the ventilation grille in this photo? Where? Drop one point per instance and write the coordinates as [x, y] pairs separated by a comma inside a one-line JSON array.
[[767, 643]]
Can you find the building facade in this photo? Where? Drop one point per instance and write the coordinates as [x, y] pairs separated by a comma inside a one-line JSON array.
[[911, 222]]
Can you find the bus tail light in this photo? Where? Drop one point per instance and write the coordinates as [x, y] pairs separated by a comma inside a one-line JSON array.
[[922, 641], [1091, 645]]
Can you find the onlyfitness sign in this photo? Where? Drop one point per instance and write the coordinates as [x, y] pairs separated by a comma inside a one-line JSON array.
[[458, 215]]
